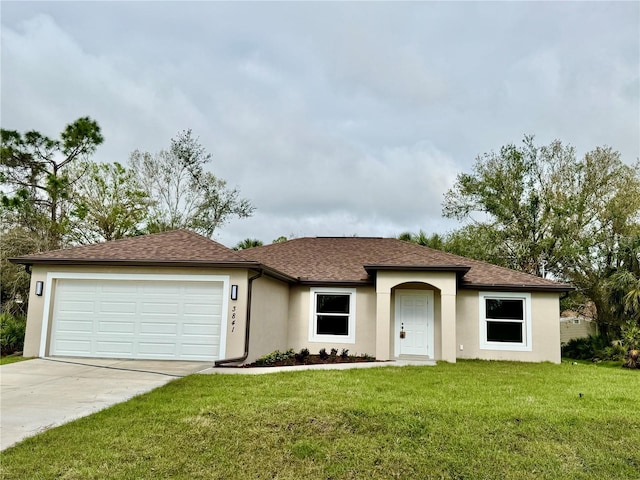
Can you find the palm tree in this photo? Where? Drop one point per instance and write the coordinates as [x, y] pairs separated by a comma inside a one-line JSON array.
[[421, 238], [248, 243], [623, 291]]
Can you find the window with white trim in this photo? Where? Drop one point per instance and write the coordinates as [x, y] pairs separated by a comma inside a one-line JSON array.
[[332, 315], [505, 321]]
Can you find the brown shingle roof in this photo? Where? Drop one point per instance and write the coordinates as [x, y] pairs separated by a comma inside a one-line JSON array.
[[175, 247], [347, 259], [316, 260]]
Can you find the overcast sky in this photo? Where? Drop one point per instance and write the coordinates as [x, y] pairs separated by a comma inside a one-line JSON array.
[[333, 118]]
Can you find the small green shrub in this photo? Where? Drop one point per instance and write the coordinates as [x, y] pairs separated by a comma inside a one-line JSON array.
[[12, 329], [598, 349], [275, 357], [585, 348], [344, 354], [302, 355], [323, 354], [630, 335], [632, 359], [615, 352], [630, 341]]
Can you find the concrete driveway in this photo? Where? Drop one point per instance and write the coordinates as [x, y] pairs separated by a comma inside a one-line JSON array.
[[46, 392]]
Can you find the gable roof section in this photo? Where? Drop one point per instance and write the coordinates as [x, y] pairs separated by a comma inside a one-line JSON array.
[[345, 260], [321, 259], [174, 248]]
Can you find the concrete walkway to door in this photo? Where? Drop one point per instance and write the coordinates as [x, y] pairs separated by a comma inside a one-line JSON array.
[[45, 392]]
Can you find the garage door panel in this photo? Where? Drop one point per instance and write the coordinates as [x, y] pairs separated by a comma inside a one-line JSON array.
[[168, 289], [194, 294], [194, 350], [77, 306], [169, 328], [75, 326], [203, 320], [109, 348], [74, 347], [115, 287], [116, 327], [199, 341], [157, 348], [77, 286], [118, 307], [160, 308], [200, 329], [137, 319], [197, 309]]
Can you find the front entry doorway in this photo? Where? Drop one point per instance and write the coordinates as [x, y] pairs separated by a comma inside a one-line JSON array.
[[414, 323]]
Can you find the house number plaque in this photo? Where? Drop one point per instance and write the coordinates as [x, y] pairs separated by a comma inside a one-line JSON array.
[[233, 319]]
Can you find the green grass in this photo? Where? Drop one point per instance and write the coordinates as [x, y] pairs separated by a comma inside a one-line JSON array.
[[602, 363], [470, 420], [13, 359]]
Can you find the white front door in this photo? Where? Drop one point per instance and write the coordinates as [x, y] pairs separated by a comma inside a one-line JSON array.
[[414, 323]]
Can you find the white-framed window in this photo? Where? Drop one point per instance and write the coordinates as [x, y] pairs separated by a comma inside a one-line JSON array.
[[505, 321], [332, 315]]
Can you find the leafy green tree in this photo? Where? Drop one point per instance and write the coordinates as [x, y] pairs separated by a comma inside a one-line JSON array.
[[109, 203], [472, 241], [14, 280], [476, 241], [184, 194], [248, 243], [543, 210], [36, 186], [280, 239]]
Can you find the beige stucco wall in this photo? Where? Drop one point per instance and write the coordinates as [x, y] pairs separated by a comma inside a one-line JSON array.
[[235, 336], [34, 315], [545, 308], [299, 318], [269, 317]]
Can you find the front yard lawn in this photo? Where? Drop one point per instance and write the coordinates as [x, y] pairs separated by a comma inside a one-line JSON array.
[[13, 359], [472, 420]]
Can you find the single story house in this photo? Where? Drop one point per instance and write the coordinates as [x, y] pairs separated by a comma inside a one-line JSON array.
[[178, 295]]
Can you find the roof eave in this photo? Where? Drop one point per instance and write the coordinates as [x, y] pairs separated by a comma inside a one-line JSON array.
[[135, 262], [419, 268], [334, 283], [502, 287], [278, 275]]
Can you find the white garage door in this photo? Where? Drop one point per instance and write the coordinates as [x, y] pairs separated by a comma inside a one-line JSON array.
[[164, 320]]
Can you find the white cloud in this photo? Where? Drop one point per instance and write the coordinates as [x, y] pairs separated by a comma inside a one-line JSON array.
[[53, 81], [334, 118]]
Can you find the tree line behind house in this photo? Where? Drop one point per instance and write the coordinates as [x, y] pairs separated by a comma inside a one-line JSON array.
[[53, 195]]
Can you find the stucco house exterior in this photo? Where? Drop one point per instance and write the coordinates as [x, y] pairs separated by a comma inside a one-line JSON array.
[[180, 296]]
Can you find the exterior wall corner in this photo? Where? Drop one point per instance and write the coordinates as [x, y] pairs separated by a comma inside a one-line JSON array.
[[383, 326]]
